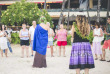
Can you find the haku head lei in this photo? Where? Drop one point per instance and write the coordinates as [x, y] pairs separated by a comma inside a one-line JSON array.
[[42, 19]]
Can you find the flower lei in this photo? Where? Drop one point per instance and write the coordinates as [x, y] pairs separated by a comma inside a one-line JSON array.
[[78, 33], [42, 18]]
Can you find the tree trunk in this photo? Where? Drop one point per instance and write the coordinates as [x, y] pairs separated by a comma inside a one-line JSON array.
[[98, 10], [68, 13], [45, 5], [0, 11], [108, 8], [61, 14], [88, 14]]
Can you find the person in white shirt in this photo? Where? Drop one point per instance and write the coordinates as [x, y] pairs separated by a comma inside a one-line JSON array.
[[98, 34], [8, 38], [50, 39], [3, 41], [31, 34]]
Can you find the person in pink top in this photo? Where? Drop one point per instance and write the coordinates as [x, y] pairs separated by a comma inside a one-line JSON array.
[[61, 39]]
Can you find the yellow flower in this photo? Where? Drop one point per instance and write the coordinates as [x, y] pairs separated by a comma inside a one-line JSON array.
[[7, 13], [37, 13], [9, 19]]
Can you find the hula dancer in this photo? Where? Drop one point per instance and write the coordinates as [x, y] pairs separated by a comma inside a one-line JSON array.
[[40, 42], [81, 54]]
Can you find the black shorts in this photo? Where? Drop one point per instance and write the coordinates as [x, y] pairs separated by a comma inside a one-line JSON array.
[[24, 42]]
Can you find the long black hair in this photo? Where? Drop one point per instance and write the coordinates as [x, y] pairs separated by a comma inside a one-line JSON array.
[[97, 24], [4, 27], [0, 27]]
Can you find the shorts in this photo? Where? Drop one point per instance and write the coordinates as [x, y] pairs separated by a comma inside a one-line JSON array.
[[24, 42], [106, 44], [61, 43], [50, 43], [31, 43]]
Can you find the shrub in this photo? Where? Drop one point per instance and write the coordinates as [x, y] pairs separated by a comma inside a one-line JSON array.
[[23, 12], [15, 38], [91, 36], [69, 40]]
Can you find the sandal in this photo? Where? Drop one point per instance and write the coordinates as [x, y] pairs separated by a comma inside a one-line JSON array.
[[64, 56], [108, 61], [22, 57], [96, 58], [52, 56], [102, 60]]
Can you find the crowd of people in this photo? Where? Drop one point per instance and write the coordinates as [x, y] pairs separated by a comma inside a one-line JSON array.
[[41, 35]]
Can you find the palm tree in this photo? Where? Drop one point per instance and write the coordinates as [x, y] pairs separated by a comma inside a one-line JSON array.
[[0, 11], [88, 13], [68, 13], [45, 5], [98, 10], [61, 14], [108, 8]]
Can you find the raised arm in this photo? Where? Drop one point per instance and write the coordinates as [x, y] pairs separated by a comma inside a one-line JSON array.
[[2, 35], [89, 29], [53, 34], [101, 32], [5, 34], [72, 31], [30, 34], [48, 29], [20, 34]]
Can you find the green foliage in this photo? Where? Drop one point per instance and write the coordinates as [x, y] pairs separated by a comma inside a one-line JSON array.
[[69, 40], [23, 11], [15, 38], [89, 37]]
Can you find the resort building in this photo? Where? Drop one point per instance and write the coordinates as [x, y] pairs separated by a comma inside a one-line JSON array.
[[77, 7]]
